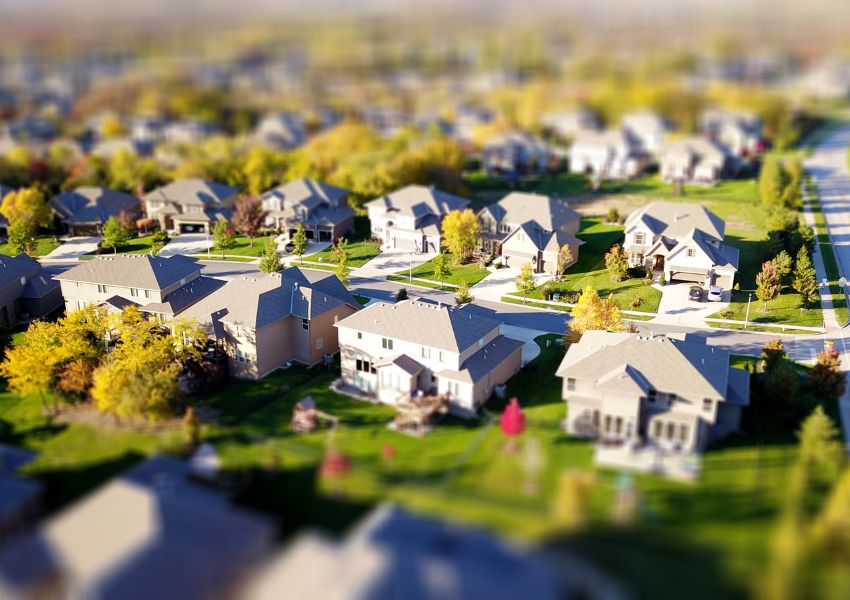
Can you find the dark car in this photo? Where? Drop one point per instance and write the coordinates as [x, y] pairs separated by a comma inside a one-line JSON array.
[[695, 293]]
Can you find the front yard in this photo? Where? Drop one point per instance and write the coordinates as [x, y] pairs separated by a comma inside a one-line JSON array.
[[360, 247], [469, 274], [44, 245]]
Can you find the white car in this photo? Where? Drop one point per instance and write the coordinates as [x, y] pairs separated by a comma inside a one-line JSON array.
[[715, 294]]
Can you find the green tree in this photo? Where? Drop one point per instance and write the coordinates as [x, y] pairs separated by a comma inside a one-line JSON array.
[[772, 353], [20, 238], [565, 259], [299, 240], [270, 261], [115, 234], [223, 237], [767, 284], [525, 280], [263, 166], [461, 233], [441, 268], [463, 296], [617, 263], [782, 382], [805, 278], [826, 378], [342, 270], [339, 248], [248, 217], [783, 263], [821, 447], [159, 239], [771, 182], [831, 529], [792, 196], [594, 313], [28, 206]]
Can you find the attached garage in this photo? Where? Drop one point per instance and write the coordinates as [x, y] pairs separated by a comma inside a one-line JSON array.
[[724, 279], [687, 276], [401, 243], [191, 228]]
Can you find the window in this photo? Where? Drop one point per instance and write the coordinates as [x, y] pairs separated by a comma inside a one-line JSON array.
[[102, 289], [359, 335], [707, 404], [571, 384], [657, 427], [305, 324], [77, 283], [243, 357], [683, 433], [692, 252], [639, 238], [671, 431], [134, 292], [426, 352], [147, 293], [386, 343], [364, 365]]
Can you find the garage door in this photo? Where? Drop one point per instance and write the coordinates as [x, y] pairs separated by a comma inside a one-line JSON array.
[[404, 244], [687, 276], [191, 228]]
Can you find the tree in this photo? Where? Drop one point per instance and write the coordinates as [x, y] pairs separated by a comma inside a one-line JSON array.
[[525, 280], [782, 262], [767, 284], [461, 233], [342, 270], [771, 182], [223, 238], [617, 263], [115, 234], [28, 206], [441, 268], [111, 127], [772, 353], [248, 217], [820, 443], [338, 249], [270, 261], [782, 382], [401, 294], [571, 503], [159, 239], [805, 278], [463, 296], [299, 240], [831, 529], [512, 421], [826, 378], [565, 259], [594, 313], [263, 166], [792, 197], [20, 238]]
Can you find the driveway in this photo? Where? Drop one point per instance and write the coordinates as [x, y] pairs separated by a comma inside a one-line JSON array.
[[676, 308], [390, 262], [73, 248], [500, 282], [530, 349], [187, 243]]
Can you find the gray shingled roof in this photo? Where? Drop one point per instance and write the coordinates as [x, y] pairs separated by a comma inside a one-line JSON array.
[[676, 219], [689, 369], [438, 326], [477, 366], [92, 204], [12, 268], [309, 192], [141, 271], [522, 207], [420, 200], [185, 296], [193, 191], [725, 256], [260, 300]]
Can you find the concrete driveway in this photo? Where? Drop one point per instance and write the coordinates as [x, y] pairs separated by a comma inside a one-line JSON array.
[[73, 248], [677, 309], [500, 282], [187, 243], [390, 262]]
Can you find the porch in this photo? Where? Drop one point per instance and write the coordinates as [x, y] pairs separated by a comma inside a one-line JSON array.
[[649, 458]]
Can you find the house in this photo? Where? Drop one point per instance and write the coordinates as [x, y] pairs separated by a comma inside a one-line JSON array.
[[567, 124], [26, 291], [393, 351], [647, 129], [189, 131], [154, 532], [390, 554], [20, 496], [282, 131], [411, 218], [660, 392], [264, 322], [529, 228], [190, 205], [740, 133], [147, 130], [609, 154], [321, 208], [681, 241], [85, 209], [160, 287], [515, 153], [694, 159], [108, 149]]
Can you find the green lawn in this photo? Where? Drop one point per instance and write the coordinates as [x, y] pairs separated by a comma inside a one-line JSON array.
[[486, 189], [360, 249], [244, 247], [139, 245], [43, 245], [469, 274], [590, 270], [214, 256], [839, 300]]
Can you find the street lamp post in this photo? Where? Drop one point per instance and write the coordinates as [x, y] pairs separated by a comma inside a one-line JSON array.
[[209, 248], [410, 267], [747, 318]]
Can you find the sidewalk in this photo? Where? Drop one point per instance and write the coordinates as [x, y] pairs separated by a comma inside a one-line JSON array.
[[830, 321]]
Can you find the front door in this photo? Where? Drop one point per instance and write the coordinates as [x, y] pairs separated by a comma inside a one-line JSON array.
[[659, 263]]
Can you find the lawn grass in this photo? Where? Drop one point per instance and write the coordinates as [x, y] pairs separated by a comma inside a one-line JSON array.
[[469, 274], [360, 249], [216, 257], [487, 189], [44, 245], [243, 246]]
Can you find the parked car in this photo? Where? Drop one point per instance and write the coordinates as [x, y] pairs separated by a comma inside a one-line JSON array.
[[715, 293], [695, 293], [289, 247]]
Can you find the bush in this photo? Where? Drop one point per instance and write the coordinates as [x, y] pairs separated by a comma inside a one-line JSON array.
[[613, 215], [546, 290], [637, 301], [637, 272], [401, 295]]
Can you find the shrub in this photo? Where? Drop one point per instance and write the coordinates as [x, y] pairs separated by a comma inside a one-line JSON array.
[[546, 290], [637, 272], [613, 215], [637, 301], [401, 295]]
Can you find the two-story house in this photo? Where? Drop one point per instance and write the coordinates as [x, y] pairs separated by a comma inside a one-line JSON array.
[[695, 159], [190, 205], [85, 209], [682, 242], [322, 209], [26, 291], [392, 351], [161, 288], [515, 153], [609, 154], [740, 133], [674, 394], [411, 218], [265, 321], [529, 228], [647, 129]]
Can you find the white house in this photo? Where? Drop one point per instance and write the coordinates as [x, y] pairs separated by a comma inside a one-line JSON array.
[[694, 159], [740, 133], [609, 154], [647, 129], [566, 124]]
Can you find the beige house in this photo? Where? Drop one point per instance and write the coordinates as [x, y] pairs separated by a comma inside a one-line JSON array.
[[529, 228], [411, 218], [160, 287], [190, 205], [85, 209], [739, 133], [646, 129], [693, 160], [682, 242], [321, 208], [672, 394], [610, 154], [393, 351], [26, 291], [265, 321]]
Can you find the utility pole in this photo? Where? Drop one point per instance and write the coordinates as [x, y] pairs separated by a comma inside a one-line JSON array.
[[747, 318]]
